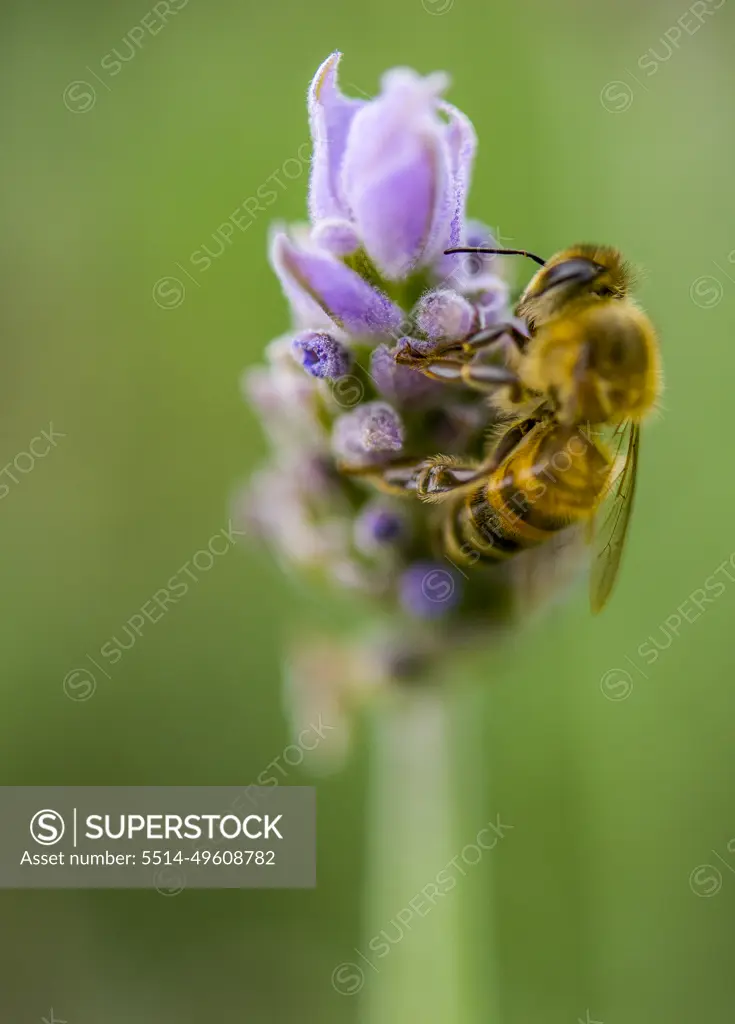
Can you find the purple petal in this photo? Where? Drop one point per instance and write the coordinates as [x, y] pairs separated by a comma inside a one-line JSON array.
[[444, 315], [305, 310], [333, 288], [396, 174], [330, 117], [429, 590], [338, 237], [462, 143], [321, 355]]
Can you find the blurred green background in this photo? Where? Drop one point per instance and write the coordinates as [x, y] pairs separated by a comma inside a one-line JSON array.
[[614, 802]]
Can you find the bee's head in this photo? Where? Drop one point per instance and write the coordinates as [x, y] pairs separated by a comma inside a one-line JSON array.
[[579, 273]]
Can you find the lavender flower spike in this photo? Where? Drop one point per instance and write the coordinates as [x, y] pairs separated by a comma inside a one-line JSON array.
[[350, 429]]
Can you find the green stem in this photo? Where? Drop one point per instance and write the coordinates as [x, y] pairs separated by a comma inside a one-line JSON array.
[[416, 932]]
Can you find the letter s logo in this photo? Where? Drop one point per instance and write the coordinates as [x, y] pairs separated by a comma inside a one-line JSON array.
[[47, 827]]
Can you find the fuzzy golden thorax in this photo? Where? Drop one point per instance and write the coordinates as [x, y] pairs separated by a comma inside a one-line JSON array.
[[596, 363], [594, 353]]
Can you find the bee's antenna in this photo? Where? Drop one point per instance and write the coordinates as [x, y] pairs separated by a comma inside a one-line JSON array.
[[501, 252]]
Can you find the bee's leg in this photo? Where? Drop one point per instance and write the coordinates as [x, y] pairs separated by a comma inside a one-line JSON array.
[[495, 338], [442, 476], [397, 478], [456, 368], [445, 476], [481, 376], [457, 363]]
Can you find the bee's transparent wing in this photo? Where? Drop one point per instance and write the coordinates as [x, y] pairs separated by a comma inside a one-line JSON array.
[[613, 519], [543, 575]]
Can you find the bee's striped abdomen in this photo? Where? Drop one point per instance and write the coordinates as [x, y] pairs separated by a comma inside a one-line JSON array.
[[542, 486]]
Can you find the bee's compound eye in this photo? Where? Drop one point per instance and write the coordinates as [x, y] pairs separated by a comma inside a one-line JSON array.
[[573, 271]]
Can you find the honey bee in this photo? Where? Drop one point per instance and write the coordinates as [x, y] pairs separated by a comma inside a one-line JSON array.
[[589, 364]]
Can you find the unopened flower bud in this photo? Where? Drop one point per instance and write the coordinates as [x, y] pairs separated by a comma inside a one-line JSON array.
[[444, 315], [373, 429], [321, 355], [379, 527]]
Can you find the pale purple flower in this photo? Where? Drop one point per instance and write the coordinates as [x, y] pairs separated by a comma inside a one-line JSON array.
[[398, 166]]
